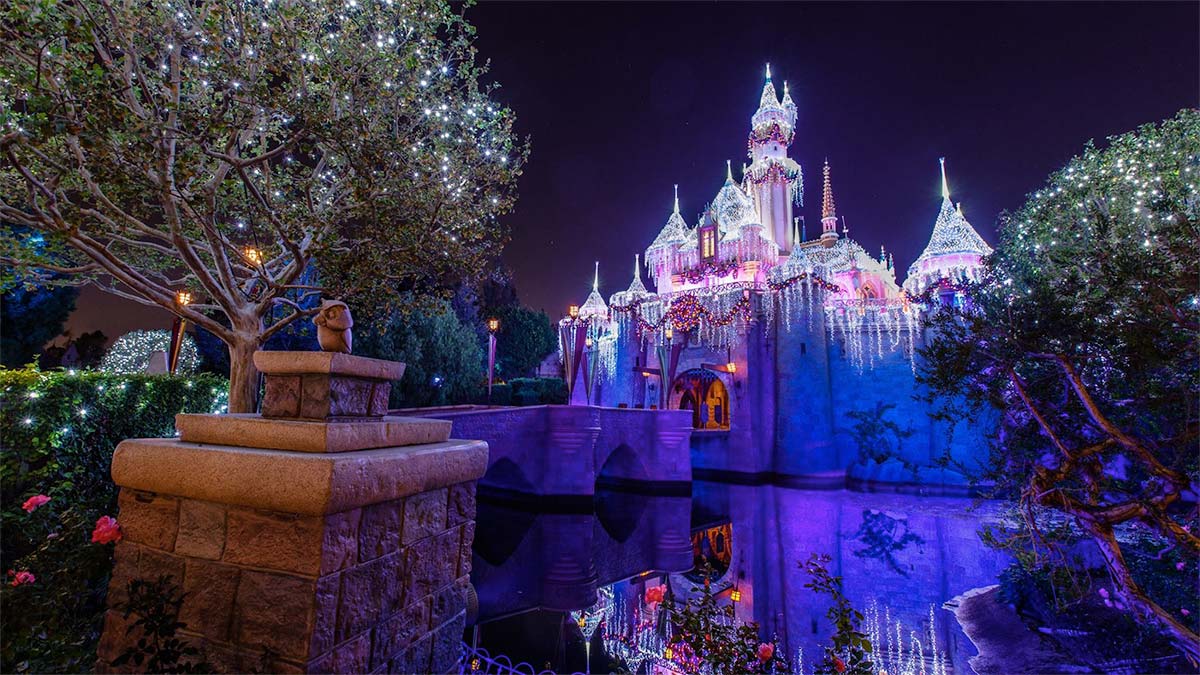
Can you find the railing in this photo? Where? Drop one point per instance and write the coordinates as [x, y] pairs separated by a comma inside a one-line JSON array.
[[477, 661]]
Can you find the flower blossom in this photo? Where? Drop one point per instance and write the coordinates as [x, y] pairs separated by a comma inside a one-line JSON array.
[[1180, 565], [1184, 611], [107, 530], [839, 665], [765, 651], [22, 577], [34, 502]]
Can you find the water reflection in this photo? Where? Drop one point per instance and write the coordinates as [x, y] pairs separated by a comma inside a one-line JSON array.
[[901, 558]]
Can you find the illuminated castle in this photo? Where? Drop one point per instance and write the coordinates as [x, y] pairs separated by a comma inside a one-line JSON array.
[[772, 339]]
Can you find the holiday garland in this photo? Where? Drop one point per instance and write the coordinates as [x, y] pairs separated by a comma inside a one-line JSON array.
[[710, 268]]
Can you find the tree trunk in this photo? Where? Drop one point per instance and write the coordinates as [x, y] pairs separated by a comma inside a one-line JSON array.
[[1128, 588], [243, 376]]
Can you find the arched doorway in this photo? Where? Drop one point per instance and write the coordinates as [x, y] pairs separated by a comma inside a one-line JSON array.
[[703, 392]]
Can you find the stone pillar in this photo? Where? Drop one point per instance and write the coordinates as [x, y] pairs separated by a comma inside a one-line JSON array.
[[339, 541]]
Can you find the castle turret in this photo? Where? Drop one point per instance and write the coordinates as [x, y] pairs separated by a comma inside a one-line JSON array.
[[829, 234], [774, 178], [955, 251]]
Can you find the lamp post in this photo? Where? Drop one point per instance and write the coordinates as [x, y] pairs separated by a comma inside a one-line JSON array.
[[183, 299], [493, 325]]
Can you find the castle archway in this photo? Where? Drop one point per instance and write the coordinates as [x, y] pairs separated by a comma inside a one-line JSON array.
[[703, 393]]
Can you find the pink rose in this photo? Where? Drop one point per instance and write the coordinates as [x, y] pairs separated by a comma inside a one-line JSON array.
[[22, 577], [34, 502], [839, 665], [655, 594], [107, 531], [765, 651]]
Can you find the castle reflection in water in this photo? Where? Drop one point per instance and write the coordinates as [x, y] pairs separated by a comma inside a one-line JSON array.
[[902, 558]]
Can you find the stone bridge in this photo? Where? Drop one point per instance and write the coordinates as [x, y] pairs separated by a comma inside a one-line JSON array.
[[563, 451]]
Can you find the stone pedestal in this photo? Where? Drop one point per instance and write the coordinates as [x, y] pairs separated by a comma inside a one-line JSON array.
[[303, 545]]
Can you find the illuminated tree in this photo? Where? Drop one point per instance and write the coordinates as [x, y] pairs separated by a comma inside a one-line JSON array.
[[131, 352], [1085, 335], [221, 149]]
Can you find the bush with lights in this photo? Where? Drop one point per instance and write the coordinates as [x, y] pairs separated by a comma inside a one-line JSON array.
[[131, 352], [58, 430]]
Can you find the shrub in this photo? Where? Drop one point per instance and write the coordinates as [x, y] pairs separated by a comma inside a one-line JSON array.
[[58, 431], [538, 390]]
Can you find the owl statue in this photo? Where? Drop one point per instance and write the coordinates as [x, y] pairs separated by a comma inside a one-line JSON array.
[[333, 326]]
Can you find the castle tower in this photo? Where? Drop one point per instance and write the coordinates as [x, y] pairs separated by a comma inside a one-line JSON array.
[[955, 251], [829, 235], [774, 178]]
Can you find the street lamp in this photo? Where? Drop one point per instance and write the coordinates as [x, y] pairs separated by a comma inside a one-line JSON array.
[[253, 255], [183, 299], [493, 325]]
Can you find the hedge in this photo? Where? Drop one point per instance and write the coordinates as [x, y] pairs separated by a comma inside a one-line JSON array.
[[58, 430]]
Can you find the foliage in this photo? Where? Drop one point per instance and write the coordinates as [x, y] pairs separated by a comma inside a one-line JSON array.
[[31, 318], [58, 432], [525, 338], [883, 536], [155, 604], [1085, 334], [538, 391], [131, 352], [707, 637], [444, 363], [224, 148], [850, 649]]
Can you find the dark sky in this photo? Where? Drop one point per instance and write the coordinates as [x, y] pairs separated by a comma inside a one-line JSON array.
[[623, 100]]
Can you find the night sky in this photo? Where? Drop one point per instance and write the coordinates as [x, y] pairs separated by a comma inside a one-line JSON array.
[[624, 100]]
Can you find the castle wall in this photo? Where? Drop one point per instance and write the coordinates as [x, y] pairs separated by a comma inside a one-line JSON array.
[[804, 444]]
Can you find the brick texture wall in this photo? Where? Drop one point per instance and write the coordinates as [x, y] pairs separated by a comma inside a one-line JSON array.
[[378, 589]]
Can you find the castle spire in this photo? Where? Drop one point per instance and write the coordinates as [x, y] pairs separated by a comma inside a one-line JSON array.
[[945, 187], [829, 233], [728, 171], [788, 103], [768, 71], [677, 198], [596, 279], [827, 207], [958, 207]]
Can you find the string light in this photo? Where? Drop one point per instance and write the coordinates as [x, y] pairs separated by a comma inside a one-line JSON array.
[[131, 352]]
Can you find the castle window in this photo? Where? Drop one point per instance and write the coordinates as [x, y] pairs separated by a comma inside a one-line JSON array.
[[708, 244]]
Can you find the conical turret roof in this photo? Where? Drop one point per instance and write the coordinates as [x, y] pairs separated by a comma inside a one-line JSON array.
[[951, 231], [673, 233], [594, 305]]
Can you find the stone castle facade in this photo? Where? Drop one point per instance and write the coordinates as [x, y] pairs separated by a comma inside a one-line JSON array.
[[779, 344]]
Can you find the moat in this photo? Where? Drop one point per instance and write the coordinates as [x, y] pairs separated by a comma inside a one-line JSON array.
[[902, 558]]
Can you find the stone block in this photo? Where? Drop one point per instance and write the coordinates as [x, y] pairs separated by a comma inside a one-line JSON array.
[[292, 482], [353, 656], [424, 515], [329, 363], [431, 564], [154, 565], [462, 504], [116, 637], [325, 614], [125, 569], [148, 518], [465, 548], [210, 589], [335, 396], [274, 611], [380, 528], [394, 634], [447, 645], [415, 659], [254, 431], [381, 392], [281, 396], [339, 542], [277, 541], [448, 602], [201, 529], [370, 591]]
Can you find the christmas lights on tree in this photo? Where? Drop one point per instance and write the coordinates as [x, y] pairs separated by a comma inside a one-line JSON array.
[[131, 352]]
